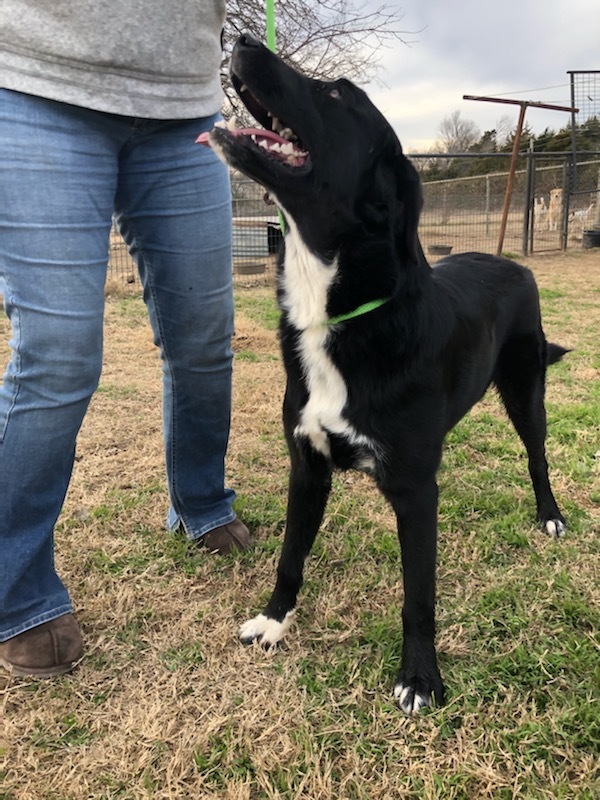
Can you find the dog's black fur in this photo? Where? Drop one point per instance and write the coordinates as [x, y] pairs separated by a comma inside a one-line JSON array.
[[411, 368]]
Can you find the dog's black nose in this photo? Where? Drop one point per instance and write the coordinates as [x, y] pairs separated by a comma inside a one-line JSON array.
[[247, 40]]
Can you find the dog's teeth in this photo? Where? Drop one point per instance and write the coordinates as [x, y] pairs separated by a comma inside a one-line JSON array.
[[276, 125], [221, 124], [232, 124], [243, 88], [287, 149], [286, 133]]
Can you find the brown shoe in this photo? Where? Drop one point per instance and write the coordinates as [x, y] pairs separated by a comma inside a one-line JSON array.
[[46, 650], [227, 539]]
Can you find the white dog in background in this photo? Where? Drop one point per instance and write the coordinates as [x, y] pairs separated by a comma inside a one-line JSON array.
[[540, 213], [582, 216]]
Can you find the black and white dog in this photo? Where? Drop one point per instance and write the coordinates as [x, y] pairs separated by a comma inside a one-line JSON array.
[[383, 354]]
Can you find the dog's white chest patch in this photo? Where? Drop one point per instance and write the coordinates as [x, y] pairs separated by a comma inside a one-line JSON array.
[[306, 282], [327, 397]]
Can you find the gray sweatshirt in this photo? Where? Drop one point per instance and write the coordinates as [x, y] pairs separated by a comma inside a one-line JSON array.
[[154, 59]]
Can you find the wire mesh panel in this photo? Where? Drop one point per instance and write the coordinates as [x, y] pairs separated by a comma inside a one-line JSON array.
[[121, 266], [465, 213], [585, 96], [548, 196], [256, 230]]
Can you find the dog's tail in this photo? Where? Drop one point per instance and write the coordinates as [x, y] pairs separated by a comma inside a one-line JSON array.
[[554, 353]]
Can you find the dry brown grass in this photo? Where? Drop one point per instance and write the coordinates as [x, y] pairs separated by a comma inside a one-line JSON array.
[[167, 704]]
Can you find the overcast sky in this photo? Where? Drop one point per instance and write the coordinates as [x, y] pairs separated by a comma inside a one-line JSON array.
[[520, 49]]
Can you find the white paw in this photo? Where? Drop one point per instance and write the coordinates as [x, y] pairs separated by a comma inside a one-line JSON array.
[[555, 528], [265, 630], [410, 702]]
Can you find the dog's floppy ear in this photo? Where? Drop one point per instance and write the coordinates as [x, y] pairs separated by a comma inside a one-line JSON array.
[[409, 202], [392, 195]]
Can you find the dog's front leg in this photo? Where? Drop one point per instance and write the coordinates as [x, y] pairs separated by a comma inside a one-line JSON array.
[[419, 682], [309, 487]]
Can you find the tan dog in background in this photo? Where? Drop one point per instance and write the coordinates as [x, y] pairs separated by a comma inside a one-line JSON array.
[[555, 209]]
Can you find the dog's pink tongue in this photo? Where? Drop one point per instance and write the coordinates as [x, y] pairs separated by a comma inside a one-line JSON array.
[[270, 140], [259, 133]]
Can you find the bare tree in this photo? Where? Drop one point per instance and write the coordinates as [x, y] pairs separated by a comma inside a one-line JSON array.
[[327, 39], [505, 127], [457, 134]]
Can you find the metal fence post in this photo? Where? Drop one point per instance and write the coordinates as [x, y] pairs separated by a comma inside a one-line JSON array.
[[596, 223], [528, 205], [566, 190]]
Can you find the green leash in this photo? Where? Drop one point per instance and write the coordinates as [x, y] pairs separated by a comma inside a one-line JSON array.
[[271, 44], [271, 25], [358, 312]]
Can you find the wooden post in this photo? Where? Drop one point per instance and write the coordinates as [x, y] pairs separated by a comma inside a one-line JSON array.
[[511, 179]]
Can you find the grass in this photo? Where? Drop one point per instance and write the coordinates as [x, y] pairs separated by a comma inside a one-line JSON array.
[[167, 704]]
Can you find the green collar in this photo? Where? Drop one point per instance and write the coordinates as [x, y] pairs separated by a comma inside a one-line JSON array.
[[364, 309]]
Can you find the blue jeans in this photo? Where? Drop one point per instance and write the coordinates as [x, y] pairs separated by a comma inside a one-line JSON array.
[[64, 172]]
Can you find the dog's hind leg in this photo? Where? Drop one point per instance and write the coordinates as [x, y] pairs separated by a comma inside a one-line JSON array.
[[309, 487], [520, 379], [419, 683]]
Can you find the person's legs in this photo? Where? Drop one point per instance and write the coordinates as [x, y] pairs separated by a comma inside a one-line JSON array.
[[174, 211], [56, 198]]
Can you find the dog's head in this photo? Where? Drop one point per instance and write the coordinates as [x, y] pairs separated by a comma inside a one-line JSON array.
[[324, 152]]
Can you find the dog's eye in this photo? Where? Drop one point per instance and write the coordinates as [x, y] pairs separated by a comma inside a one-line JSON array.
[[335, 93]]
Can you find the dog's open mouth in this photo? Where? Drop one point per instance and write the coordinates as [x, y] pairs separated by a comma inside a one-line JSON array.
[[277, 145], [276, 138]]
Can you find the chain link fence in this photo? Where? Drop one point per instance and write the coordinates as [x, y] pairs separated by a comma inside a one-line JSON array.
[[465, 213], [461, 213]]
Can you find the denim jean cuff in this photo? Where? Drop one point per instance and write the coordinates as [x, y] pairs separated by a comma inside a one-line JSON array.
[[47, 616], [177, 523]]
